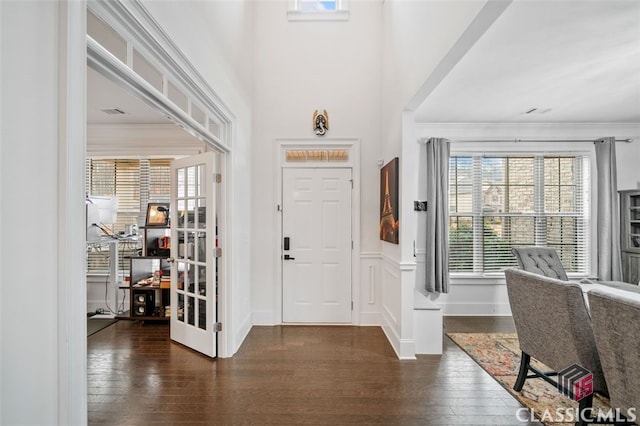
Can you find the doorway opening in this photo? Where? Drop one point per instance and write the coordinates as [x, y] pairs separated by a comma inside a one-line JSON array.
[[135, 56]]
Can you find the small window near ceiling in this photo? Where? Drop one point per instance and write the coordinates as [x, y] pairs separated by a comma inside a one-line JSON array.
[[318, 10], [198, 115], [215, 127], [176, 96], [107, 37], [317, 5], [146, 70]]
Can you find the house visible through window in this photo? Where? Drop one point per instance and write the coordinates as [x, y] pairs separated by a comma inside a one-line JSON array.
[[135, 183], [500, 202]]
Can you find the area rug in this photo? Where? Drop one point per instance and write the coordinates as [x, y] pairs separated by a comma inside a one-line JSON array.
[[499, 355]]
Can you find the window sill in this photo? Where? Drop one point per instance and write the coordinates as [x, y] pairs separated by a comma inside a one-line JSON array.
[[492, 278]]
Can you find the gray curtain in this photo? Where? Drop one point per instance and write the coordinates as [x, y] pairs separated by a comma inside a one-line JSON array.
[[608, 235], [437, 247]]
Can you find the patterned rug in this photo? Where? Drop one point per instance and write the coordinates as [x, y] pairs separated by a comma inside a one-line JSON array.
[[499, 355]]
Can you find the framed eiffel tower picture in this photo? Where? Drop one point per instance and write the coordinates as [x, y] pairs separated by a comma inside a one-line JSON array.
[[389, 223]]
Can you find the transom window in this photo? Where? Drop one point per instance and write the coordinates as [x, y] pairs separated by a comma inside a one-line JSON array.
[[504, 201]]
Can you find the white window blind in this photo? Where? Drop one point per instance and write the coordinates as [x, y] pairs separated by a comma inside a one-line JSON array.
[[510, 200], [135, 183]]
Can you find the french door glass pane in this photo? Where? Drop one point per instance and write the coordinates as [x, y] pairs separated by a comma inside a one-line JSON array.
[[202, 314]]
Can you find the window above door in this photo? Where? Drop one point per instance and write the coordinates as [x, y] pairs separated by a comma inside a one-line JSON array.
[[318, 10]]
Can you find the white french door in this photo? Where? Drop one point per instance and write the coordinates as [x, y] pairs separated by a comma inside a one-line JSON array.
[[193, 250], [316, 260]]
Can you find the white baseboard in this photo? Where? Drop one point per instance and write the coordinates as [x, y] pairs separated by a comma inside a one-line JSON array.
[[242, 333]]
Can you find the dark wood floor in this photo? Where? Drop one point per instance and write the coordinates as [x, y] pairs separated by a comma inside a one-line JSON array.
[[290, 375]]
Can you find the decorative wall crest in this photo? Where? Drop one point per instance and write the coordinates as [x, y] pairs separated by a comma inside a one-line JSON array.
[[320, 122]]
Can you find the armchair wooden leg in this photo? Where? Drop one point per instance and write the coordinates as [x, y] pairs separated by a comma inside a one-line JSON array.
[[525, 359]]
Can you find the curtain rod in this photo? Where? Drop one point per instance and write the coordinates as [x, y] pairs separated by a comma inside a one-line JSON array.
[[628, 140]]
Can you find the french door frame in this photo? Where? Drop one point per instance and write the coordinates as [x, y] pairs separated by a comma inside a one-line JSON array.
[[353, 162], [134, 24], [72, 285]]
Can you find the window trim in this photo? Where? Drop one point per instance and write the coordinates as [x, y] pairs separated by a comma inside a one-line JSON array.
[[587, 213], [295, 13]]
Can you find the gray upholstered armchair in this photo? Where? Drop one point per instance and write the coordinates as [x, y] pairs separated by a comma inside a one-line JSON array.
[[540, 260], [553, 327], [545, 261], [616, 326]]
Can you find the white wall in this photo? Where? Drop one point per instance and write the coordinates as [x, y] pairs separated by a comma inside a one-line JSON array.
[[301, 67], [417, 36], [628, 161], [217, 38], [29, 264]]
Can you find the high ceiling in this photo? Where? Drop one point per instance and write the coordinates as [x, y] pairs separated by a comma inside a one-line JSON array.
[[571, 61], [568, 61]]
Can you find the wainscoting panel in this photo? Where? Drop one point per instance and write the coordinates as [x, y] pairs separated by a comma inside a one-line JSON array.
[[391, 304], [370, 289]]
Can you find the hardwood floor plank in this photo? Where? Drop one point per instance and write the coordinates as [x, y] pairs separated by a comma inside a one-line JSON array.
[[289, 375]]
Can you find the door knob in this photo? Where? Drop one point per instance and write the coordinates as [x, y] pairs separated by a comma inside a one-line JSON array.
[[287, 257]]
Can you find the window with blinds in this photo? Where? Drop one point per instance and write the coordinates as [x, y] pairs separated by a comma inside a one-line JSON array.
[[135, 183], [505, 201]]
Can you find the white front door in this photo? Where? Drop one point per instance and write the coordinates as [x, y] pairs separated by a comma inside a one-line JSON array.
[[316, 245], [193, 245]]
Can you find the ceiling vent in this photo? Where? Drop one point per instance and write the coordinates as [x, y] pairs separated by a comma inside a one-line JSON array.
[[113, 111]]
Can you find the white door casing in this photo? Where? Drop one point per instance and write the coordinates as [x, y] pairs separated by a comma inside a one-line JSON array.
[[193, 250], [316, 269]]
